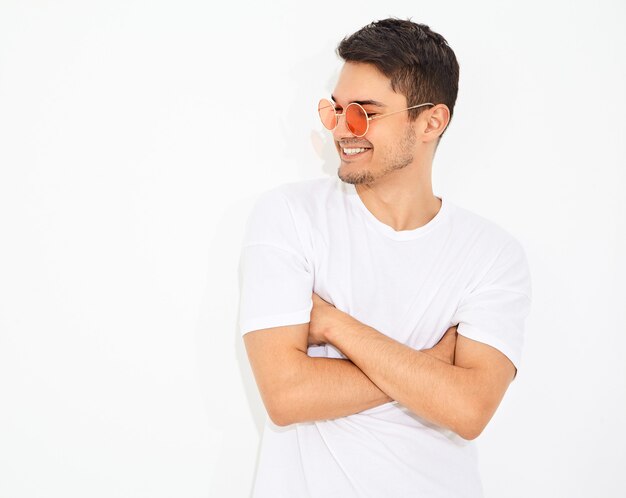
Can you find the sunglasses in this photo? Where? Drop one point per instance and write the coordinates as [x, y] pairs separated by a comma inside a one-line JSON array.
[[357, 120]]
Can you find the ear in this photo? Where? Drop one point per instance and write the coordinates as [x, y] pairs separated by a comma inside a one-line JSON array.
[[437, 119]]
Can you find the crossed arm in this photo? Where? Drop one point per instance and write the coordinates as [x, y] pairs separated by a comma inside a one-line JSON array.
[[295, 387]]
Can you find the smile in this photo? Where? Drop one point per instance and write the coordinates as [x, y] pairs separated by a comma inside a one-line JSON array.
[[353, 151]]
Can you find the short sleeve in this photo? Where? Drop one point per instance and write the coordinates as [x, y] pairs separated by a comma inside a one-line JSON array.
[[495, 311], [276, 276]]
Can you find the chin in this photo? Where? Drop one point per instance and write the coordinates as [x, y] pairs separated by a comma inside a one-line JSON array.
[[355, 177]]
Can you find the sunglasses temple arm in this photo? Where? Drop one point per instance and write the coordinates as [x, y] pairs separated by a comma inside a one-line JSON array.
[[401, 110]]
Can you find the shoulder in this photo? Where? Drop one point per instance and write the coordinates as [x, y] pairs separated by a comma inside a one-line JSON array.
[[286, 211], [299, 198], [481, 231], [486, 244], [306, 192], [499, 256]]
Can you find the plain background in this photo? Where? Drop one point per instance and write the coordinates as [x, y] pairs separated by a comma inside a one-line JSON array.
[[134, 138]]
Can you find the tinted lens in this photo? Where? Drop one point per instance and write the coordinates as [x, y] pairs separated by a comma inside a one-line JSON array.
[[326, 110], [356, 119]]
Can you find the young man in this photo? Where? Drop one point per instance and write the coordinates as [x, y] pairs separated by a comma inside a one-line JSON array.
[[383, 324]]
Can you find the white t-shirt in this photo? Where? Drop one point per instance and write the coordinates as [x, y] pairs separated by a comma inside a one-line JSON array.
[[412, 285]]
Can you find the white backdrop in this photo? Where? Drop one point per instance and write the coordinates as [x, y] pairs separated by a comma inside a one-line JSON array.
[[134, 137]]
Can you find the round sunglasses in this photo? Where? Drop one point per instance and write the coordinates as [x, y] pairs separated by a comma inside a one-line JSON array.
[[357, 120]]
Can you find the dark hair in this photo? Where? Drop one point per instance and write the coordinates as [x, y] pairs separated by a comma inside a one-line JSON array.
[[419, 62]]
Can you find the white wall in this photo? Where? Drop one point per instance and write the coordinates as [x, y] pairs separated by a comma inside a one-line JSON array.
[[134, 137]]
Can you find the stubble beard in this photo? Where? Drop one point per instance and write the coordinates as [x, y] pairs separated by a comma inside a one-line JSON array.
[[396, 157]]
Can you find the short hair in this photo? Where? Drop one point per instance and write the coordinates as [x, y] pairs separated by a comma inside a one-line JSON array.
[[419, 62]]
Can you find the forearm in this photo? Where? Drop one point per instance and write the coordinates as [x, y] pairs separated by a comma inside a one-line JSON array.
[[327, 388], [434, 390]]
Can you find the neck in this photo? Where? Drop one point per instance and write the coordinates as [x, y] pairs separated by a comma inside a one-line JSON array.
[[402, 201]]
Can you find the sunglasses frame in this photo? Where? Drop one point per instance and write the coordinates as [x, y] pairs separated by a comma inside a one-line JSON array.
[[368, 118]]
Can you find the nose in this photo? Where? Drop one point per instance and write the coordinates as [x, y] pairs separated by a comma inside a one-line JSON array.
[[341, 130]]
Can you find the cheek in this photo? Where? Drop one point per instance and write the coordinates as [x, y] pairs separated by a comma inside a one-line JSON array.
[[377, 139], [383, 135], [381, 143]]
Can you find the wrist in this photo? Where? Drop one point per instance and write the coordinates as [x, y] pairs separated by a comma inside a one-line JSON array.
[[338, 326]]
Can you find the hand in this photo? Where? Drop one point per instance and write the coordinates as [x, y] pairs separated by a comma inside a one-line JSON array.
[[444, 349], [323, 317]]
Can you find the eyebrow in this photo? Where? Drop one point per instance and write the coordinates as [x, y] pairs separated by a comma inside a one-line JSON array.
[[364, 102]]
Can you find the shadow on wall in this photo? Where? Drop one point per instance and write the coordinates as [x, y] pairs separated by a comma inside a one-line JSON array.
[[307, 85], [257, 409], [220, 350], [324, 147], [304, 77], [322, 139]]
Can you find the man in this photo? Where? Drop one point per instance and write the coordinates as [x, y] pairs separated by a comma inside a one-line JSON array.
[[383, 324]]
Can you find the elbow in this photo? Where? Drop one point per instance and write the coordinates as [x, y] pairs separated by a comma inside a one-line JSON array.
[[280, 422], [279, 418], [474, 424], [470, 433], [283, 393], [278, 410]]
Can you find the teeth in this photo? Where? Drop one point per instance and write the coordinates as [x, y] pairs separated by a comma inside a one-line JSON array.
[[353, 151]]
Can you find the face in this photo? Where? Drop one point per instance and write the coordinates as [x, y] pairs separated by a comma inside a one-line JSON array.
[[390, 143]]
